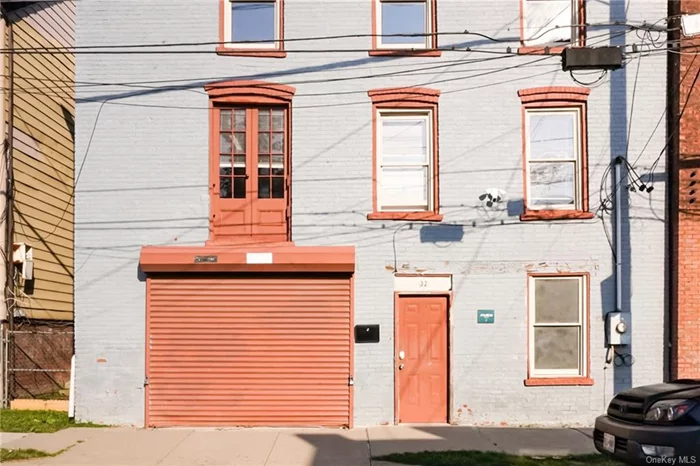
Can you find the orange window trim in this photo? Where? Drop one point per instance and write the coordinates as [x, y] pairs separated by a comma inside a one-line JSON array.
[[276, 52], [413, 98], [543, 50], [584, 380], [245, 92], [431, 51], [556, 97]]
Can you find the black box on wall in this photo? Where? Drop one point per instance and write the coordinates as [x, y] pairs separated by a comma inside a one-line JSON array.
[[366, 333]]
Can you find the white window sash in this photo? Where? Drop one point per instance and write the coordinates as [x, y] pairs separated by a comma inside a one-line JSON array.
[[577, 159], [428, 26], [529, 34], [581, 325], [427, 116], [228, 20]]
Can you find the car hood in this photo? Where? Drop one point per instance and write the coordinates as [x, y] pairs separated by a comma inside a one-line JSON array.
[[631, 405], [664, 391]]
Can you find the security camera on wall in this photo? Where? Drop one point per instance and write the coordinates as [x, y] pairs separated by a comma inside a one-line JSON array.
[[492, 196]]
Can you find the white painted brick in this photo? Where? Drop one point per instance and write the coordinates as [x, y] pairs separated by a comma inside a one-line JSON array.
[[145, 182]]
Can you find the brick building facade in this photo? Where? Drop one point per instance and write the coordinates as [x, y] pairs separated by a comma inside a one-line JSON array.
[[684, 153], [165, 152]]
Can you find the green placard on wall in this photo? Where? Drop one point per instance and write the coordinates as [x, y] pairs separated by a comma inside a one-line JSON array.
[[485, 316]]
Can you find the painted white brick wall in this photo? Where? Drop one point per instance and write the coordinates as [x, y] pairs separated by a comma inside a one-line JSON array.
[[144, 181]]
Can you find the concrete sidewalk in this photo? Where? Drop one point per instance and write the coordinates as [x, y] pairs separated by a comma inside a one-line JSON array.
[[285, 447]]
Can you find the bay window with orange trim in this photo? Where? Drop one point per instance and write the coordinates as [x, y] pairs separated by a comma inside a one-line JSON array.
[[558, 329], [404, 27], [555, 159], [405, 154], [251, 28], [548, 26]]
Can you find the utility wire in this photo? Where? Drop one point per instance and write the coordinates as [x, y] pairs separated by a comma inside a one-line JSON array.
[[443, 64], [676, 128], [80, 171], [77, 49], [372, 76], [663, 114], [634, 95], [99, 112], [347, 78], [113, 50]]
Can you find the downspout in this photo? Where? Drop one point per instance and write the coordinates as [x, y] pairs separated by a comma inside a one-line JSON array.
[[672, 194], [9, 209], [618, 250], [618, 234]]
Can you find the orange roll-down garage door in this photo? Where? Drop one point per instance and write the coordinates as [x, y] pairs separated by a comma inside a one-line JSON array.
[[248, 350]]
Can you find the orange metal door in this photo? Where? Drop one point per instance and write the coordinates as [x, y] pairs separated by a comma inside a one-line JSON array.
[[262, 350], [421, 359]]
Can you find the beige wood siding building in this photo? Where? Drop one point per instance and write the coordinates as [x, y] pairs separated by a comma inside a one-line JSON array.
[[43, 152]]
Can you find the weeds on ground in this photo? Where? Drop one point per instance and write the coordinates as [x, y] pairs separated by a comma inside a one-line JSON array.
[[24, 454], [15, 420]]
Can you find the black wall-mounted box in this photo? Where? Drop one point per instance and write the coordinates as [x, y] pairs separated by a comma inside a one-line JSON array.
[[366, 333], [586, 58]]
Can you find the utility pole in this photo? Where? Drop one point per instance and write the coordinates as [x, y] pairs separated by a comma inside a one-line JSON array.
[[3, 219]]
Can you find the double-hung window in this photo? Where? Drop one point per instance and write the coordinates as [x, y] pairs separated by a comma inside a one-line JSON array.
[[252, 26], [405, 154], [555, 153], [554, 158], [404, 24], [558, 329], [552, 23], [404, 169]]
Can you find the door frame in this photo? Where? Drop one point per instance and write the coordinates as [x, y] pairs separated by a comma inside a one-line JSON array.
[[449, 296]]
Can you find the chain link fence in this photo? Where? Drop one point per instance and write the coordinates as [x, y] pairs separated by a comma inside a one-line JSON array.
[[39, 361]]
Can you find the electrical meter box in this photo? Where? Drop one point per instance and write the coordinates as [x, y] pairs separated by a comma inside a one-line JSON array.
[[618, 329]]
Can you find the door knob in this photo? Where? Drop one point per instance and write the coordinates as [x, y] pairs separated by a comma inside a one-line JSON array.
[[400, 367], [402, 355]]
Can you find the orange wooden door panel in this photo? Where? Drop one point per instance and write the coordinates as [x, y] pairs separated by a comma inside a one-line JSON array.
[[226, 350], [421, 375], [270, 173], [233, 196]]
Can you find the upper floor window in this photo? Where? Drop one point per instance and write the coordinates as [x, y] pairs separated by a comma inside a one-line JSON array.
[[252, 28], [558, 337], [552, 23], [554, 153], [405, 154], [249, 164], [404, 27], [554, 158]]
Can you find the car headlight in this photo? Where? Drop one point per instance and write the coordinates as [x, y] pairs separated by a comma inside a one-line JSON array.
[[668, 410]]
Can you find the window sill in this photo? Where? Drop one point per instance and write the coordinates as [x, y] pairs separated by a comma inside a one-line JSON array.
[[260, 53], [405, 53], [540, 50], [412, 216], [559, 381], [534, 215]]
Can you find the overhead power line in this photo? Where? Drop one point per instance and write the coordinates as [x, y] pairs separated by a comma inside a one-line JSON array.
[[78, 49], [202, 80]]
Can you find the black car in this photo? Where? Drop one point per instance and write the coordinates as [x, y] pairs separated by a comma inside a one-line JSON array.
[[653, 424]]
